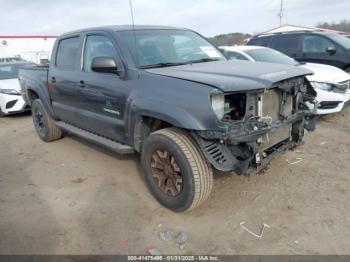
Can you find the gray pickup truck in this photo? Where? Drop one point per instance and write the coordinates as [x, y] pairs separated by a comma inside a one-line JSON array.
[[170, 95]]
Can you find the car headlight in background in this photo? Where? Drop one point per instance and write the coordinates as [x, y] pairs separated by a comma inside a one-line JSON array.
[[10, 92], [218, 104], [322, 86]]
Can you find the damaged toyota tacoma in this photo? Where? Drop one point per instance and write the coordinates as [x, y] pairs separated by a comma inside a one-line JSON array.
[[170, 95]]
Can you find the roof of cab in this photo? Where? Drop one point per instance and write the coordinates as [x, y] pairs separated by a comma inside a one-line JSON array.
[[124, 28]]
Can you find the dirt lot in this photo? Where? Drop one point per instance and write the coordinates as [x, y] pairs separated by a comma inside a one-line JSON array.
[[72, 197]]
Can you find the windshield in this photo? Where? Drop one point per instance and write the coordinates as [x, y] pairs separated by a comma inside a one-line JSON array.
[[270, 56], [156, 48], [341, 40]]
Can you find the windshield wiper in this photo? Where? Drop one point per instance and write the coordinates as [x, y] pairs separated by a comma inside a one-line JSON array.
[[161, 65], [202, 60]]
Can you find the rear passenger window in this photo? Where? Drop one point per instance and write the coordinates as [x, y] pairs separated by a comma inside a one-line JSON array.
[[67, 53], [260, 41], [288, 44]]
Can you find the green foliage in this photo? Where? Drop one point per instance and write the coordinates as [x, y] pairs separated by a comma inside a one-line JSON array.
[[343, 25], [229, 39]]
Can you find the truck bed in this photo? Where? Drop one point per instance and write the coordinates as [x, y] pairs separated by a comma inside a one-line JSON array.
[[33, 78]]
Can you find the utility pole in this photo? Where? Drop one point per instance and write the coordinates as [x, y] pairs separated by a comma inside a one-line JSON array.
[[280, 14]]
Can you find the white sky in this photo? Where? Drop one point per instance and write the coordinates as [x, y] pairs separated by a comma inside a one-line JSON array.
[[209, 17]]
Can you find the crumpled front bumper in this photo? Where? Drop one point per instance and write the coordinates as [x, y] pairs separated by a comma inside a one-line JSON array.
[[239, 149], [331, 102]]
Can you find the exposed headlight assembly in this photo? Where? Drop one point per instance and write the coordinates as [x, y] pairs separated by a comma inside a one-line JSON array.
[[218, 104], [10, 92], [322, 86]]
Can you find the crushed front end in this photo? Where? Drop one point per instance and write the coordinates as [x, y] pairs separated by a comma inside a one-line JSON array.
[[257, 125]]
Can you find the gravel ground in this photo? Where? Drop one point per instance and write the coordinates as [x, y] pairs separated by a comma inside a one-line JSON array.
[[72, 197]]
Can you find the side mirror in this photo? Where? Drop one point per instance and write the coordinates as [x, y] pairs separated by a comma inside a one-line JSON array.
[[104, 65], [331, 50]]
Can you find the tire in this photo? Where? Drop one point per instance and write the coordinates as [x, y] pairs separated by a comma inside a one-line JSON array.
[[185, 158], [44, 124]]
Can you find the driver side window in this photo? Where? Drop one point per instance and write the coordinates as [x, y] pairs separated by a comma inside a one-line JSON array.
[[316, 44], [97, 46]]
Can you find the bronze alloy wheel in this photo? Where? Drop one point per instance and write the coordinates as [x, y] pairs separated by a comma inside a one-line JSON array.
[[166, 173]]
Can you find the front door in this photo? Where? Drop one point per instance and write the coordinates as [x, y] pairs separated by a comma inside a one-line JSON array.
[[102, 96]]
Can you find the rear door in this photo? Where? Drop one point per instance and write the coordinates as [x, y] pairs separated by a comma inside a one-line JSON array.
[[62, 79], [314, 50], [102, 96], [289, 44]]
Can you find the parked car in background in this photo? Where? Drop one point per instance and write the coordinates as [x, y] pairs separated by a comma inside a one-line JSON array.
[[307, 46], [11, 101], [331, 83], [171, 95]]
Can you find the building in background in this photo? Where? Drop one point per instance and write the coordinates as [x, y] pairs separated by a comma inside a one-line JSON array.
[[29, 48]]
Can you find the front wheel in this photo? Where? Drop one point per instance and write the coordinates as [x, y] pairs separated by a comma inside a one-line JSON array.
[[44, 124], [175, 170]]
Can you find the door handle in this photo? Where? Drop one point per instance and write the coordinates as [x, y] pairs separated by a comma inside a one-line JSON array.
[[81, 83], [53, 79]]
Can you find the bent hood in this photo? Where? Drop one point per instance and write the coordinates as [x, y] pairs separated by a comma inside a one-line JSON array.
[[10, 84], [326, 73], [232, 76]]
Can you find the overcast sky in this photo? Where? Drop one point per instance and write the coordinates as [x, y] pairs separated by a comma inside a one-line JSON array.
[[209, 17]]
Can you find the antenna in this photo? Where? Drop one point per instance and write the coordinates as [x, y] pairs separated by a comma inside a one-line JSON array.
[[133, 30], [280, 14]]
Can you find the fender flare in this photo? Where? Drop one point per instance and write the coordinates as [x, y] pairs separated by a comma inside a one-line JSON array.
[[173, 115]]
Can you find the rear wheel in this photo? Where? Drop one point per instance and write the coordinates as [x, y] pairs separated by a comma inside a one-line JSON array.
[[44, 124], [175, 170]]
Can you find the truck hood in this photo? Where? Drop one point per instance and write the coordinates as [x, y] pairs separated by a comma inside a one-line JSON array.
[[326, 73], [230, 76], [10, 84]]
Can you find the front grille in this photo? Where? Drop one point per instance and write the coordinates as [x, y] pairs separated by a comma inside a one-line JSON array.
[[11, 104], [328, 104]]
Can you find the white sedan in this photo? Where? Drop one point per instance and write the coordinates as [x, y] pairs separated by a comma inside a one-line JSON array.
[[331, 83], [11, 100]]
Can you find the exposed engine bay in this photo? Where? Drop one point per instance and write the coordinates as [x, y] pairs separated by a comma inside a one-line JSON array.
[[259, 124]]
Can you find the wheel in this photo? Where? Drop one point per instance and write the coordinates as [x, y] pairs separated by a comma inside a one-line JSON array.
[[44, 124], [175, 171]]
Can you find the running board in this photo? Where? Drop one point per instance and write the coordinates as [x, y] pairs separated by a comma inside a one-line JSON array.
[[100, 140]]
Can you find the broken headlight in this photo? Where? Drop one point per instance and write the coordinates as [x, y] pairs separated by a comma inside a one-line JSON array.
[[218, 105], [322, 86]]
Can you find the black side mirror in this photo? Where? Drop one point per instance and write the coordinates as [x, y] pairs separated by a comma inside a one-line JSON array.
[[104, 65], [331, 50]]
